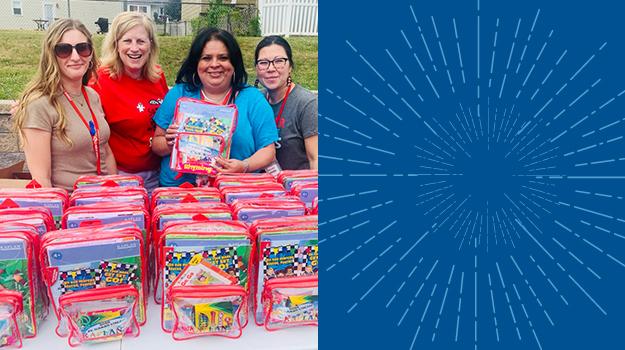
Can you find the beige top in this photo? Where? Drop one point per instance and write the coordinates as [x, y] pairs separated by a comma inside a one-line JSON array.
[[70, 162]]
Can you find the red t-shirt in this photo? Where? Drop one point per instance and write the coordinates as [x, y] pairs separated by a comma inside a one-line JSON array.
[[129, 106]]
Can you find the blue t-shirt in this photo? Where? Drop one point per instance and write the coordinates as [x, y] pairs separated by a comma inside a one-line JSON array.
[[255, 129]]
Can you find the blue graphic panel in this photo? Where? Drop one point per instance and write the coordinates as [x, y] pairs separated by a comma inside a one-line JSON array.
[[473, 175]]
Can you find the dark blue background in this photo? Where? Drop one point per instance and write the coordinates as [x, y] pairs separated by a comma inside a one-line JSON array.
[[391, 179]]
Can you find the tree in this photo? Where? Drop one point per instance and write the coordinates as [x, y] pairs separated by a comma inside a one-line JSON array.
[[173, 9]]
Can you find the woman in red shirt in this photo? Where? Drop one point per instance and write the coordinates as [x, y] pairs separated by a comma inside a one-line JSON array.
[[131, 86]]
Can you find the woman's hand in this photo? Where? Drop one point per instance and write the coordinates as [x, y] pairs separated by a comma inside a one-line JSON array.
[[231, 165], [170, 135], [163, 140]]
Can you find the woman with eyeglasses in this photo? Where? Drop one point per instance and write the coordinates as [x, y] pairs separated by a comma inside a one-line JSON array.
[[213, 71], [58, 118], [132, 87], [294, 107]]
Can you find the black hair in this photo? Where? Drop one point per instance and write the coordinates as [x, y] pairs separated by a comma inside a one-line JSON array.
[[188, 70], [277, 40]]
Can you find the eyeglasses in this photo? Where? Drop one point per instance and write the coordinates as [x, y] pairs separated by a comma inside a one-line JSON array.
[[65, 50], [278, 63]]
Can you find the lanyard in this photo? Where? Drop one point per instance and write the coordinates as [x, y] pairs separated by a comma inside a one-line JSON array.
[[92, 126], [223, 103], [279, 120]]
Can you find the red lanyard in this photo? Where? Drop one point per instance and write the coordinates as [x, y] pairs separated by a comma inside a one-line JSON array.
[[226, 98], [92, 127], [279, 120]]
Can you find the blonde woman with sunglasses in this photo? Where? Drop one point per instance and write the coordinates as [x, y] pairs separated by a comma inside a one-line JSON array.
[[58, 118]]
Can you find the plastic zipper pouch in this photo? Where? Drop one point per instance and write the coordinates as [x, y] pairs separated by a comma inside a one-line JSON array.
[[195, 153], [198, 116], [173, 195], [122, 195], [248, 210], [10, 308], [17, 273], [208, 311], [223, 180], [100, 315], [108, 180], [259, 226], [306, 192], [38, 213], [233, 261], [201, 233], [55, 199], [288, 177], [230, 194], [291, 302], [96, 261], [283, 259]]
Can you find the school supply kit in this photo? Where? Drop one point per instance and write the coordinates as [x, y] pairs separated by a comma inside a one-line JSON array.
[[215, 256], [204, 133]]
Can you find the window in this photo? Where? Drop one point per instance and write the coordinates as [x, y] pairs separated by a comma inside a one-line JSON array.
[[138, 8], [17, 7]]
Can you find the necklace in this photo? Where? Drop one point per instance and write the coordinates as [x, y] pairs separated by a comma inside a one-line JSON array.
[[224, 98]]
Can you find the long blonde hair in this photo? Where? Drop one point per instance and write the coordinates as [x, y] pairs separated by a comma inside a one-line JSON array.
[[122, 23], [47, 79]]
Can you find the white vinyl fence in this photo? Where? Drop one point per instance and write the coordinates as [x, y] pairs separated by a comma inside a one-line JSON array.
[[288, 17]]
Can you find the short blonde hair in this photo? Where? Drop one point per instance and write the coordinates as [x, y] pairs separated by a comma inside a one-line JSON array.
[[47, 80], [122, 23]]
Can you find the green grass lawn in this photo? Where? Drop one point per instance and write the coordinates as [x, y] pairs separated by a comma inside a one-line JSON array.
[[20, 50]]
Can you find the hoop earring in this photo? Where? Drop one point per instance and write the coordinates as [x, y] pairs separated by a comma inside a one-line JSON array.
[[256, 82], [90, 65], [193, 80], [234, 78], [289, 80]]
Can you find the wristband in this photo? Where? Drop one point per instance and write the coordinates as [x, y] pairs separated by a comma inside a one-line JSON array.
[[247, 165]]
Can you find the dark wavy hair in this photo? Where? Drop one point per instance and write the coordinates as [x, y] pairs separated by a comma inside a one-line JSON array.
[[277, 40], [188, 70]]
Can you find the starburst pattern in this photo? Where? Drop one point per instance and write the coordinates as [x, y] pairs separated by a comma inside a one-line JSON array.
[[479, 162]]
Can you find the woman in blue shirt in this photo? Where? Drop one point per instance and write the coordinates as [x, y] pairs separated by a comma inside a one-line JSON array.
[[213, 71]]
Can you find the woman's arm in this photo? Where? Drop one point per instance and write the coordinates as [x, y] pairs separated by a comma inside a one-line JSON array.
[[163, 140], [311, 145], [38, 155], [111, 164], [259, 160]]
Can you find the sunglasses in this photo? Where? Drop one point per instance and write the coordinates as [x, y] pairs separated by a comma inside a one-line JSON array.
[[65, 50]]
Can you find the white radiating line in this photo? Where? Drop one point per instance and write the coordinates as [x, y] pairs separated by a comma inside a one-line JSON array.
[[492, 303], [512, 315], [570, 277], [427, 48], [527, 316], [587, 116], [459, 54], [440, 46], [459, 306], [548, 75], [440, 311], [549, 281], [427, 277], [595, 246], [376, 98], [403, 284], [503, 81], [529, 37], [347, 127], [348, 160]]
